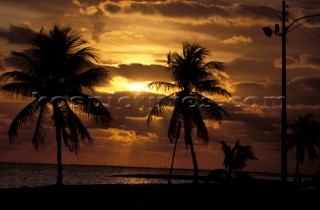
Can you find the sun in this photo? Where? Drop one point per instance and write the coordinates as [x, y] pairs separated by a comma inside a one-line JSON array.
[[137, 86]]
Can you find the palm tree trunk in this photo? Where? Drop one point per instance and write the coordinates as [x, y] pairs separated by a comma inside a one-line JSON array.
[[173, 155], [57, 119], [188, 139], [59, 155], [195, 164], [297, 174]]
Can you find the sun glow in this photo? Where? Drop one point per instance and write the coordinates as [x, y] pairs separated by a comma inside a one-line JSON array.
[[119, 84], [137, 86]]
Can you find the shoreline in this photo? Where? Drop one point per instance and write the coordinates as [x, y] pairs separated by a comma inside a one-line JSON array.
[[156, 168]]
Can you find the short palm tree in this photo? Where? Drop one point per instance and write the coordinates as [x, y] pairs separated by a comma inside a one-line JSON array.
[[59, 67], [236, 157], [304, 134], [192, 77]]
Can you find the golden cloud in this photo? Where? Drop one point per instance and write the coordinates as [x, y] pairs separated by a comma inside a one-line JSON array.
[[125, 135], [237, 40]]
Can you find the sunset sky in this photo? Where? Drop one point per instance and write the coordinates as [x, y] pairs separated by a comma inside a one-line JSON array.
[[132, 39]]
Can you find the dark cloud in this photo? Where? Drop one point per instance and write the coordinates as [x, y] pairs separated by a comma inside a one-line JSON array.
[[264, 123], [258, 10], [17, 34], [112, 8], [310, 83], [192, 9], [1, 65], [98, 21], [303, 61], [300, 91], [250, 126], [300, 62], [91, 2], [311, 60], [168, 8], [43, 6], [140, 72], [304, 90], [259, 89], [176, 9], [310, 4], [252, 70]]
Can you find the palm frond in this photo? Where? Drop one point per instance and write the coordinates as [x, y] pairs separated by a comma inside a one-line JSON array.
[[213, 65], [71, 127], [26, 116], [166, 86], [95, 109], [175, 123], [159, 107], [20, 89], [189, 69], [86, 80], [235, 147], [40, 133], [25, 62], [225, 148], [85, 55], [194, 52], [176, 67], [227, 154], [236, 157], [210, 87], [201, 126], [18, 77], [209, 107], [82, 58], [304, 135], [66, 124], [246, 152], [75, 129], [312, 153]]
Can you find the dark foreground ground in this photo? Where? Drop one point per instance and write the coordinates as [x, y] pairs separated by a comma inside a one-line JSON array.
[[253, 194]]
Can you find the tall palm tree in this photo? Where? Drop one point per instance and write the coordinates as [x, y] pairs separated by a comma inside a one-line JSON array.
[[192, 77], [236, 158], [59, 68], [304, 134]]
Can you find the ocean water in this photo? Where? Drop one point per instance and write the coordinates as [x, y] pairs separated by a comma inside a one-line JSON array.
[[14, 175]]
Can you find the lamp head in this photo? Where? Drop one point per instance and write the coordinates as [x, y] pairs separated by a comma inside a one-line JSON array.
[[267, 31]]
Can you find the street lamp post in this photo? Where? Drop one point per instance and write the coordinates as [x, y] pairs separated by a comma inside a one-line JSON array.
[[268, 32], [284, 164]]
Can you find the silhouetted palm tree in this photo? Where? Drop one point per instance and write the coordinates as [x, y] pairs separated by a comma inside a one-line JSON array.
[[58, 68], [236, 158], [304, 134], [192, 77]]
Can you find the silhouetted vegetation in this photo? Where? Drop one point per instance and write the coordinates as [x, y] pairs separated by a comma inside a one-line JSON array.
[[59, 66], [236, 157], [192, 78], [304, 135]]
